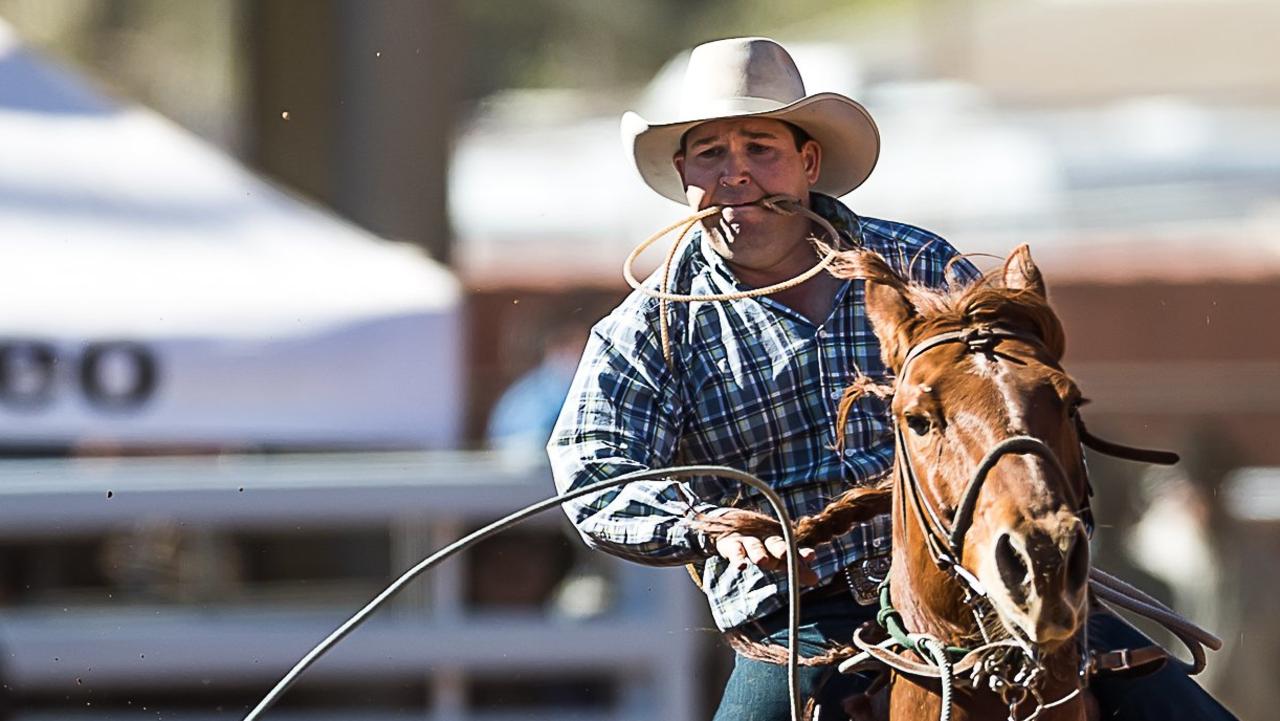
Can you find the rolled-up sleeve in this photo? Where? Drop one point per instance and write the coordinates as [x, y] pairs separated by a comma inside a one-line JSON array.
[[623, 414]]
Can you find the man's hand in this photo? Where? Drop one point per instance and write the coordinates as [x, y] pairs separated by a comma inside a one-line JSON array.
[[768, 553]]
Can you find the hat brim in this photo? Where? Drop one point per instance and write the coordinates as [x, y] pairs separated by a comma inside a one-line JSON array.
[[849, 138]]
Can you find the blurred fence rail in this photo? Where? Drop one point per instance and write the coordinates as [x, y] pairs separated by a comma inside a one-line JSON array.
[[190, 585]]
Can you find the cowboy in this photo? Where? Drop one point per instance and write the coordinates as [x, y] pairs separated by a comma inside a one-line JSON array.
[[752, 383]]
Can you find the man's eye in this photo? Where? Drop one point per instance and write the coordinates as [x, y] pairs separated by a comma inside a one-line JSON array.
[[710, 153], [758, 149]]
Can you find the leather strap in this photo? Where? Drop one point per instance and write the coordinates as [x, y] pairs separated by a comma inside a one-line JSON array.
[[1128, 662], [1129, 453]]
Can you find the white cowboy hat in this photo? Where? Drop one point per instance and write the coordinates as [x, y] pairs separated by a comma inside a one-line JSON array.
[[755, 77]]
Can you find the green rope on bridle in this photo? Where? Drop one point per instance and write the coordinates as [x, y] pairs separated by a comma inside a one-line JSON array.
[[890, 620]]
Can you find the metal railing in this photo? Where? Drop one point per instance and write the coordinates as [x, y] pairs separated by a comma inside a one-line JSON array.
[[643, 642]]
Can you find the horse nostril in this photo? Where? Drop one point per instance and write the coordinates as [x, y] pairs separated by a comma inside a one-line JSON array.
[[1014, 571], [1078, 561]]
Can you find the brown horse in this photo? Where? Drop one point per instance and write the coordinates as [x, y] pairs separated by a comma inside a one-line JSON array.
[[995, 376], [988, 492]]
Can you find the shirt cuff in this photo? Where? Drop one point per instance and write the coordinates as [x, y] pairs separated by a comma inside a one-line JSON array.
[[702, 540]]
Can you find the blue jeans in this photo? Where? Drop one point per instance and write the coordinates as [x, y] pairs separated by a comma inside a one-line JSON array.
[[757, 691]]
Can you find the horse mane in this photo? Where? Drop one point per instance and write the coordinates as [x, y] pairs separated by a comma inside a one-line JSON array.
[[856, 505], [986, 300]]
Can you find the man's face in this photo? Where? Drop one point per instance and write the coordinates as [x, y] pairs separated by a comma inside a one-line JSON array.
[[739, 161]]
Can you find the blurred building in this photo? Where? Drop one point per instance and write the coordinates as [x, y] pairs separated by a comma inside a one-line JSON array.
[[226, 421]]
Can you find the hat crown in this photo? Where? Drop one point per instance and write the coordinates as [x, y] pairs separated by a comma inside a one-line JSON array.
[[739, 68]]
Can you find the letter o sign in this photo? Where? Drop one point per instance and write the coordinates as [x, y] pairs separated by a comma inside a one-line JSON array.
[[117, 375]]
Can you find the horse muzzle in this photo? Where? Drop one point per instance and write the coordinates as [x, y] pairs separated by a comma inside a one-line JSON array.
[[1037, 575]]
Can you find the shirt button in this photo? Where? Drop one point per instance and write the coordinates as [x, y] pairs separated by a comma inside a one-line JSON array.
[[877, 541], [822, 333], [837, 395], [848, 452]]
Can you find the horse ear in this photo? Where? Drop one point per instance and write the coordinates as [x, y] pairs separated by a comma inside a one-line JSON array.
[[890, 314], [1021, 273]]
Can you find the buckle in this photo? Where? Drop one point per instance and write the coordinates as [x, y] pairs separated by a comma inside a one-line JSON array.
[[864, 579], [1125, 662]]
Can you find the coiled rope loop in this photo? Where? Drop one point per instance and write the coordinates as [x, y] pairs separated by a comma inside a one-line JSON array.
[[782, 204], [771, 496]]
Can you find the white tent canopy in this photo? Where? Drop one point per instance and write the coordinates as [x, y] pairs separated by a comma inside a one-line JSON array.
[[154, 292]]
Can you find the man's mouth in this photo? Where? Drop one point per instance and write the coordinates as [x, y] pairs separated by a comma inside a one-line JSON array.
[[732, 214]]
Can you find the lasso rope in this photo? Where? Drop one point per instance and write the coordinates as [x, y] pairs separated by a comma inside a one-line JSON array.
[[931, 647], [774, 500], [782, 204]]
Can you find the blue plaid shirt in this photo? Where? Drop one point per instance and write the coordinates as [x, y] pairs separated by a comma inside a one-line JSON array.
[[753, 385]]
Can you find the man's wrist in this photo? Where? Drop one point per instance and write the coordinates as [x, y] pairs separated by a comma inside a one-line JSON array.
[[705, 535]]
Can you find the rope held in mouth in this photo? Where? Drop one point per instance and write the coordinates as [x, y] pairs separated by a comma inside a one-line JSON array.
[[782, 204]]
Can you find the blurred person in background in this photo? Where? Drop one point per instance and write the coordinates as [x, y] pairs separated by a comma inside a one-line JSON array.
[[524, 415], [755, 383], [555, 577], [1184, 537]]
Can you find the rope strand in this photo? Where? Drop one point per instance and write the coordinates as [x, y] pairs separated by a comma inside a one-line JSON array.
[[771, 496], [781, 204]]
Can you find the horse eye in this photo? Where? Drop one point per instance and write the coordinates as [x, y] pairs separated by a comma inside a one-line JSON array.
[[1073, 409], [919, 424]]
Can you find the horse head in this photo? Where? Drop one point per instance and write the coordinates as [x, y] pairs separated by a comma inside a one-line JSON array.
[[978, 369], [989, 496]]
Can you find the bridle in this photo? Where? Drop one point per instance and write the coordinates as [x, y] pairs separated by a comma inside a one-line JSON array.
[[1011, 668], [946, 544]]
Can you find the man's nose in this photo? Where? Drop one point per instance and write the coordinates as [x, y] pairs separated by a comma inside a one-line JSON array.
[[735, 173], [736, 169]]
